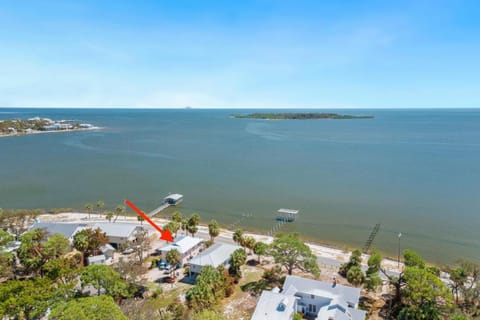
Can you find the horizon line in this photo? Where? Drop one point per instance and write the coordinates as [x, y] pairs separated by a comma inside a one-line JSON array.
[[232, 108]]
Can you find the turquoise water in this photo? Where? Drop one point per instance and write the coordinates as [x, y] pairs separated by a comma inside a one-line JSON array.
[[414, 171]]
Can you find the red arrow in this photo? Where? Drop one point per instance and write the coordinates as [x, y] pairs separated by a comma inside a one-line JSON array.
[[164, 234]]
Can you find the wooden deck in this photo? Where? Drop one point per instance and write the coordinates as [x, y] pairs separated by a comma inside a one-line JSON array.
[[159, 209]]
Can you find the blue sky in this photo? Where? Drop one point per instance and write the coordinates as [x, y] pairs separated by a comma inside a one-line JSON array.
[[265, 53]]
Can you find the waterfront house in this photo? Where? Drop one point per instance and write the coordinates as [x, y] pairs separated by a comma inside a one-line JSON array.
[[120, 233], [316, 299], [218, 254], [68, 230], [187, 246]]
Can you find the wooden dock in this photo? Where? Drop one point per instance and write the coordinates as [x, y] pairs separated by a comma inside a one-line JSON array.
[[159, 209], [170, 200]]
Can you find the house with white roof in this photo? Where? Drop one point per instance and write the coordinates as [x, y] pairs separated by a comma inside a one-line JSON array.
[[319, 299], [119, 233], [187, 246], [218, 254], [275, 306]]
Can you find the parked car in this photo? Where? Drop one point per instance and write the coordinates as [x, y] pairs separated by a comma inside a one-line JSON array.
[[169, 279], [128, 251], [162, 265]]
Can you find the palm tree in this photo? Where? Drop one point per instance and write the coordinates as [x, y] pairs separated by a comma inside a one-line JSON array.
[[238, 236], [249, 243], [89, 208], [100, 205], [109, 216], [119, 210], [172, 226], [184, 224], [173, 258], [177, 217], [213, 229]]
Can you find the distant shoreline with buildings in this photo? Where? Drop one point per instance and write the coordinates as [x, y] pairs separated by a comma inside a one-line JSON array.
[[36, 125]]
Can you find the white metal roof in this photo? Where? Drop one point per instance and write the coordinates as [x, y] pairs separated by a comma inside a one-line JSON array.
[[174, 196], [215, 255], [288, 211], [322, 289], [182, 244], [269, 307], [112, 229]]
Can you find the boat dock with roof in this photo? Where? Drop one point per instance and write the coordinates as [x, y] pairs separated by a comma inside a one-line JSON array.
[[172, 199], [287, 215]]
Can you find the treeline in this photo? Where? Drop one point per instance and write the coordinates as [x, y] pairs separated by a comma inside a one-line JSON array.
[[418, 291], [298, 116]]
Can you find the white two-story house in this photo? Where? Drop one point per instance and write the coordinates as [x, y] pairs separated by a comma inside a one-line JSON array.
[[319, 299]]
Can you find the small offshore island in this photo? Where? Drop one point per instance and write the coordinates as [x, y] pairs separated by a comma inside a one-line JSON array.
[[298, 116], [15, 127]]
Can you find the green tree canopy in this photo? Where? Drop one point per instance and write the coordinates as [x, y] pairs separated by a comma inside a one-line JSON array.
[[238, 236], [249, 243], [413, 259], [90, 308], [425, 296], [208, 290], [260, 249], [26, 299], [7, 260], [213, 229], [100, 204], [290, 252], [237, 260], [30, 252], [192, 224], [355, 276], [56, 246], [173, 258], [5, 238], [177, 217], [89, 241], [103, 277], [172, 226], [354, 261], [372, 279]]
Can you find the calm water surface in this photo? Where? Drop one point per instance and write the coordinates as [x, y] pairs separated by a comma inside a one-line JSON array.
[[414, 171]]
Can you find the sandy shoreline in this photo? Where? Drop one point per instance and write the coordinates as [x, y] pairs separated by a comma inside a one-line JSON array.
[[51, 131], [325, 252]]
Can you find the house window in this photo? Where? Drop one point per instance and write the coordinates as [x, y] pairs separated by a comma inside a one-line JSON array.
[[312, 308], [312, 296]]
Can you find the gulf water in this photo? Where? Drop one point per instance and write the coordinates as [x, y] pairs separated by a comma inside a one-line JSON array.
[[413, 171]]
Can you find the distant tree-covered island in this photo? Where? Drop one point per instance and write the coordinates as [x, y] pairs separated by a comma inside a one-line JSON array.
[[13, 127], [300, 116]]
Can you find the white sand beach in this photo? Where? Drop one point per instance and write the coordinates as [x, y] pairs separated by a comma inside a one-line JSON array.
[[331, 256]]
